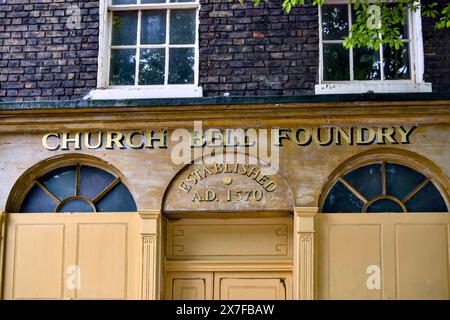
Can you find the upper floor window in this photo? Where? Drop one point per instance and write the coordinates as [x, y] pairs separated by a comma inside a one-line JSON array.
[[150, 47], [350, 70]]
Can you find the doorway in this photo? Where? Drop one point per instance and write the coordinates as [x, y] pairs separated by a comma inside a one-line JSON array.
[[228, 258]]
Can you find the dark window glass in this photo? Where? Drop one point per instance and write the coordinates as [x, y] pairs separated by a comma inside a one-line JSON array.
[[122, 69], [340, 200], [335, 62], [153, 1], [115, 2], [428, 199], [182, 26], [37, 200], [366, 64], [153, 27], [384, 205], [76, 205], [93, 181], [367, 180], [124, 28], [151, 66], [118, 199], [396, 63], [334, 22], [181, 65], [401, 180], [61, 182]]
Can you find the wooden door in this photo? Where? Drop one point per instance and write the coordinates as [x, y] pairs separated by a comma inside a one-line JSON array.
[[79, 256]]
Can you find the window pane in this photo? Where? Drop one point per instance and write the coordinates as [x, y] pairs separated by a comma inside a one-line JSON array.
[[153, 28], [182, 26], [122, 67], [181, 66], [61, 182], [366, 64], [384, 205], [334, 22], [183, 1], [428, 199], [37, 200], [124, 2], [124, 28], [76, 205], [367, 180], [396, 63], [401, 180], [335, 63], [153, 1], [93, 181], [151, 66], [118, 199], [341, 200]]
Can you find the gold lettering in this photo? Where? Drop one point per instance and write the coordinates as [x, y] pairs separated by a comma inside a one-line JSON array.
[[317, 136], [185, 187], [361, 139], [405, 133], [307, 134], [206, 171], [254, 173], [385, 133], [346, 136], [218, 168], [280, 135], [244, 168], [129, 140], [87, 140], [151, 138], [114, 137], [190, 179], [197, 197], [45, 141], [263, 180], [270, 186], [65, 140]]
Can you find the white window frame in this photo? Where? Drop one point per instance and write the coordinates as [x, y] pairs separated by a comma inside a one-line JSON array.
[[415, 84], [106, 91]]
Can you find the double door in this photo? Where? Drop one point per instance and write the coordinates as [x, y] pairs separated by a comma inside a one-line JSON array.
[[228, 285], [232, 258]]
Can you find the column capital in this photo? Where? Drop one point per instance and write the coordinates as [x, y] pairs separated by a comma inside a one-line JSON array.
[[306, 211], [153, 214]]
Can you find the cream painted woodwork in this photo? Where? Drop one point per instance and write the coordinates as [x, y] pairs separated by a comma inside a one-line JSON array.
[[252, 285], [215, 238], [233, 258], [231, 285], [72, 256], [411, 251]]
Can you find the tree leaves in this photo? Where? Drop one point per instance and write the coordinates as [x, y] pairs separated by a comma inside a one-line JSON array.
[[393, 16]]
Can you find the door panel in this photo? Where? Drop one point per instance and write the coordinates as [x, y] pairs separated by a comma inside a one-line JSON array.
[[252, 285], [47, 253], [251, 289], [408, 253], [189, 286], [39, 262], [102, 258]]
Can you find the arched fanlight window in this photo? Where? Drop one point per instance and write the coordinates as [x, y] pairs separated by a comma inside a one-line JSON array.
[[383, 187], [78, 188]]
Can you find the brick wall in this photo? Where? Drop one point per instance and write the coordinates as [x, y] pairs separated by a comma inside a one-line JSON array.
[[436, 46], [41, 56], [244, 50], [247, 50]]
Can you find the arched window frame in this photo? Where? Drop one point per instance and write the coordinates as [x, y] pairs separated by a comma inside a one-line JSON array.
[[26, 182], [409, 159]]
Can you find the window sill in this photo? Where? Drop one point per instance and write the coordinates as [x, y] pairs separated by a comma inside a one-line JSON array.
[[176, 91], [386, 87]]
